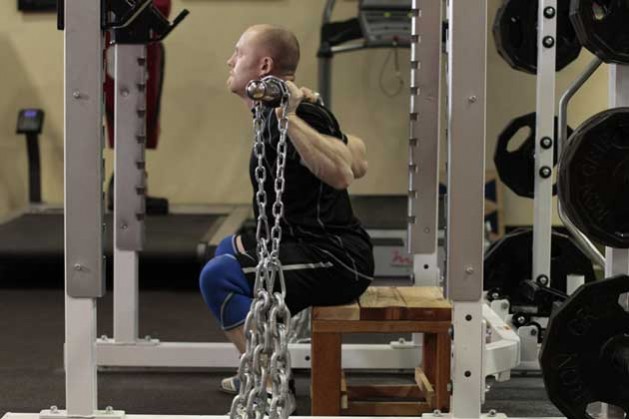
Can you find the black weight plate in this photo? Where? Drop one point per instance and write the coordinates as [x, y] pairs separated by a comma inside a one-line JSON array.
[[593, 178], [509, 261], [517, 168], [585, 352], [515, 35], [601, 26]]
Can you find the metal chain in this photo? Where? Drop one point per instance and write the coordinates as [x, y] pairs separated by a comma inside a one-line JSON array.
[[300, 327], [268, 323]]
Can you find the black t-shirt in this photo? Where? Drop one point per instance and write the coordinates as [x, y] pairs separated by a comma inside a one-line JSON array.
[[313, 210]]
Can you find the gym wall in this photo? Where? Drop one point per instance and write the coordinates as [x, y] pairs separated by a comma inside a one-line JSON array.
[[206, 131]]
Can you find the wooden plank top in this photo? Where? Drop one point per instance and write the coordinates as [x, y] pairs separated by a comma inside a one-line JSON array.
[[344, 312], [391, 303]]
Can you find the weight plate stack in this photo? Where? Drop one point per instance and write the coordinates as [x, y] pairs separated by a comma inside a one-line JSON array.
[[515, 34], [593, 178]]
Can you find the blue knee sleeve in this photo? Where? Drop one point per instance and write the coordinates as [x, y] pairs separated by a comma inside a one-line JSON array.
[[227, 246], [226, 291]]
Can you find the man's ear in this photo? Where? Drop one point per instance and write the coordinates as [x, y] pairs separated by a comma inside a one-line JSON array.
[[266, 66]]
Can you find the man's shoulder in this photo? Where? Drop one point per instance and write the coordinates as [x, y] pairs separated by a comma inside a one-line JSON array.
[[314, 109], [320, 118]]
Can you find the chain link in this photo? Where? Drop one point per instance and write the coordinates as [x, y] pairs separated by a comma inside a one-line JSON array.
[[300, 327], [268, 323]]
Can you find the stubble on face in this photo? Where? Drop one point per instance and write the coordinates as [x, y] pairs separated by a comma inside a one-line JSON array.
[[243, 65]]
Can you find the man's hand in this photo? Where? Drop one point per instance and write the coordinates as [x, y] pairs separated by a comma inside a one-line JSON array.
[[310, 95], [297, 95]]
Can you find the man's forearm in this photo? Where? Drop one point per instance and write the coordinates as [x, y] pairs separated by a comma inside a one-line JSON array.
[[328, 159], [358, 150]]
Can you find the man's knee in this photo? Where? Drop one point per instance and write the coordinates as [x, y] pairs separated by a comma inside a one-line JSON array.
[[220, 273], [221, 280], [227, 246]]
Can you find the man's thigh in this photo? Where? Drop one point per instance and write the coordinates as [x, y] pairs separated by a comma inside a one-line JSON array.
[[311, 277]]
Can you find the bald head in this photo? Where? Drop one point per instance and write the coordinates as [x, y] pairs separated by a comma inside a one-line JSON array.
[[281, 45]]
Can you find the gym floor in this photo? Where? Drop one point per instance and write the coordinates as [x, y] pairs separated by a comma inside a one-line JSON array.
[[32, 376]]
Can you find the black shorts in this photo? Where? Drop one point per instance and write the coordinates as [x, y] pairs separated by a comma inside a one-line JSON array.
[[316, 274]]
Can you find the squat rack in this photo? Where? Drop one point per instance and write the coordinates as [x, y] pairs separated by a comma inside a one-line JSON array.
[[466, 76]]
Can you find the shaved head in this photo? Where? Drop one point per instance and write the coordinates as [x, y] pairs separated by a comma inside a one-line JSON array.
[[262, 50], [281, 45]]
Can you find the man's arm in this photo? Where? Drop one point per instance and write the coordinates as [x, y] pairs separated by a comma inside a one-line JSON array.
[[326, 157], [359, 156], [331, 160]]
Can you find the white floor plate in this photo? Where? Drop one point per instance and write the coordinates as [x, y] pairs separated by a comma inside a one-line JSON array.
[[61, 414]]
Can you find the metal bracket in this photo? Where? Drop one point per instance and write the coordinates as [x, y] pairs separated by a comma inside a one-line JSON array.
[[147, 341], [130, 15], [492, 414], [130, 132], [139, 23], [530, 347], [108, 413], [501, 308]]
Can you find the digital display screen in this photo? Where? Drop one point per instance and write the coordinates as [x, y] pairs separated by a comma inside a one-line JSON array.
[[30, 113]]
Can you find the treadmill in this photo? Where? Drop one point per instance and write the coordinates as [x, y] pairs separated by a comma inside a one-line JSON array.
[[177, 243], [378, 24]]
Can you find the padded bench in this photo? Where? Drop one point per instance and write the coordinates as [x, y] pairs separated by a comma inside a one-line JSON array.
[[383, 310]]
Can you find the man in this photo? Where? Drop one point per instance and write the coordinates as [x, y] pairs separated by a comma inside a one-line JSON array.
[[325, 253]]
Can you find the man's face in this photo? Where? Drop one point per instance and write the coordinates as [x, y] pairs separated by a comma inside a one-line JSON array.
[[245, 64]]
